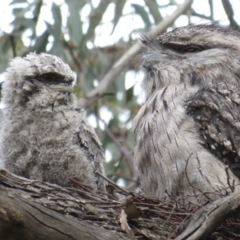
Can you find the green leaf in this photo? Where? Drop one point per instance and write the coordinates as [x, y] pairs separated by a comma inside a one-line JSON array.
[[18, 12], [143, 14], [18, 1], [41, 43], [120, 82], [22, 23], [5, 45], [154, 10], [119, 5], [57, 17], [129, 94], [74, 22], [3, 64], [37, 9], [96, 17], [57, 49]]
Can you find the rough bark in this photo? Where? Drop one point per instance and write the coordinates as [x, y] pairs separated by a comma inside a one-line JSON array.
[[23, 219], [36, 210], [25, 213], [207, 219]]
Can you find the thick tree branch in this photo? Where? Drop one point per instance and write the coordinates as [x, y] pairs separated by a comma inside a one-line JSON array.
[[24, 219], [36, 210], [207, 219], [123, 61]]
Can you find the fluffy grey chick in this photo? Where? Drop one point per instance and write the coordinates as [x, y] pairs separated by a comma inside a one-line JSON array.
[[188, 130], [43, 136]]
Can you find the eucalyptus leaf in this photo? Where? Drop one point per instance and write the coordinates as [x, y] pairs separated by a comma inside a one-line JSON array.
[[140, 10], [5, 45], [57, 17], [21, 24], [41, 43], [74, 22], [57, 49], [129, 94], [96, 17], [119, 5], [18, 1], [154, 10]]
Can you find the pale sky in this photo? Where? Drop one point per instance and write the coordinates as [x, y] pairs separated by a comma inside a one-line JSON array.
[[126, 25]]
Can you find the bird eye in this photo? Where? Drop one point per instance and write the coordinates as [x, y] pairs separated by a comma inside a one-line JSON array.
[[191, 49], [47, 78]]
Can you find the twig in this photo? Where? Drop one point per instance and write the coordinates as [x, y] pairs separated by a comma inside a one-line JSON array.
[[113, 184], [193, 187], [228, 179], [229, 12], [125, 152]]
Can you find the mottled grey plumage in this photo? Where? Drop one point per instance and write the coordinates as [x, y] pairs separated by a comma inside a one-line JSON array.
[[43, 136], [187, 132]]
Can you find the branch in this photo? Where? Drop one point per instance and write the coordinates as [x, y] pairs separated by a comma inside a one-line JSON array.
[[124, 60], [31, 209], [207, 219], [21, 217], [229, 12], [124, 151]]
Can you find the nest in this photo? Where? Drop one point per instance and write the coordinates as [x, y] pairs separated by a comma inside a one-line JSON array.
[[134, 216]]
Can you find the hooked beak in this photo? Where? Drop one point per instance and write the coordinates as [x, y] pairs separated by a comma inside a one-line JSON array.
[[61, 88]]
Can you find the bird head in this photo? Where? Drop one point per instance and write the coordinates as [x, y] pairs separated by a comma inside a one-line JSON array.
[[196, 54], [37, 77]]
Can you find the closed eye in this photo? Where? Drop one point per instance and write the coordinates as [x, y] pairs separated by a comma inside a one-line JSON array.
[[191, 49], [184, 48]]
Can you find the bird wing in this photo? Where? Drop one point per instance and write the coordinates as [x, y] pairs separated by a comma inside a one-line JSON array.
[[89, 142], [217, 115]]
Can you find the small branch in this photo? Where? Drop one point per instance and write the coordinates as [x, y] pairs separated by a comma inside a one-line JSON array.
[[113, 184], [124, 60], [194, 13], [211, 9], [229, 12], [228, 179], [124, 151], [75, 58]]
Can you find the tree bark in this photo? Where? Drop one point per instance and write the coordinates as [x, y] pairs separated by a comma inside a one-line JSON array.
[[206, 220], [26, 220], [33, 210]]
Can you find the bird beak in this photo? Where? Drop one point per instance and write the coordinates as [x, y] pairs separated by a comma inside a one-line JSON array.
[[62, 88]]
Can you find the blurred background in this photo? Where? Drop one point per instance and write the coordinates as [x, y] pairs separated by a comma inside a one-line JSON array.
[[93, 37]]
